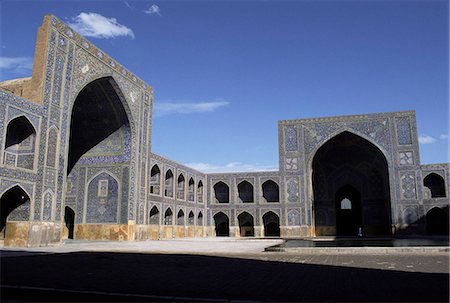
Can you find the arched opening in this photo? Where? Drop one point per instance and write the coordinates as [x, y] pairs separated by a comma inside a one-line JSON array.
[[271, 191], [69, 220], [349, 166], [437, 222], [191, 190], [154, 216], [348, 211], [271, 224], [245, 190], [14, 206], [20, 143], [222, 224], [222, 192], [99, 128], [180, 187], [191, 218], [200, 192], [435, 184], [180, 217], [246, 225], [168, 217], [168, 184], [200, 219], [155, 180]]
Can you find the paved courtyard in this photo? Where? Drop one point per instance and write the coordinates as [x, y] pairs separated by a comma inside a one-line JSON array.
[[220, 269]]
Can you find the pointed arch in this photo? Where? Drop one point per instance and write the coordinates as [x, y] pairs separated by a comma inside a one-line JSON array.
[[168, 183], [154, 215], [180, 217], [246, 224], [20, 143], [102, 198], [222, 224], [221, 192], [245, 190], [200, 219], [14, 206], [191, 189], [155, 180], [181, 184], [200, 192], [271, 191], [436, 184], [437, 221], [69, 221], [191, 218], [271, 223], [168, 216]]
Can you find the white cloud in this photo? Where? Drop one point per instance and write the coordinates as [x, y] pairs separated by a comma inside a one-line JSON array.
[[16, 64], [443, 137], [153, 10], [127, 4], [232, 167], [98, 26], [170, 108], [425, 139]]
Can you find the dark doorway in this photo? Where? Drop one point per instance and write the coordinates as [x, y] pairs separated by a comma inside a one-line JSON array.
[[222, 225], [69, 219], [245, 190], [246, 225], [271, 224], [11, 200], [221, 191], [348, 211], [435, 184], [437, 222], [271, 191]]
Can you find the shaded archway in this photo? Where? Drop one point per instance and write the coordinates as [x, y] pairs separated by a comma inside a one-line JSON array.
[[437, 222], [155, 180], [200, 219], [245, 190], [350, 160], [154, 216], [191, 218], [271, 223], [14, 206], [168, 217], [168, 184], [348, 211], [222, 192], [20, 143], [180, 187], [271, 191], [191, 190], [200, 192], [180, 217], [222, 224], [246, 225], [69, 220], [435, 184]]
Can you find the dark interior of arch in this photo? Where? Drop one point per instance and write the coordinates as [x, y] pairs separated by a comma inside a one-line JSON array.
[[350, 160], [180, 218], [245, 190], [69, 220], [221, 191], [154, 215], [18, 130], [271, 224], [168, 217], [435, 184], [271, 191], [246, 225], [191, 218], [437, 222], [222, 225], [97, 113], [11, 200], [200, 219]]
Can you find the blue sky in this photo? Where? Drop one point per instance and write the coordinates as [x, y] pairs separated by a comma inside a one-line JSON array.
[[224, 72]]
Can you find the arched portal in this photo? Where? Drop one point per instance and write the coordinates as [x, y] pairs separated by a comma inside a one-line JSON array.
[[168, 184], [222, 192], [245, 190], [222, 224], [271, 224], [191, 218], [168, 217], [180, 187], [349, 166], [191, 189], [246, 225], [69, 220], [154, 215], [100, 139], [437, 222], [200, 192], [271, 191], [180, 217], [435, 184], [155, 180], [14, 206], [20, 143]]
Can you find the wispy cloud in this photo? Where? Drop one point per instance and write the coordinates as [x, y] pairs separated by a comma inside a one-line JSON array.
[[98, 26], [425, 139], [444, 136], [181, 108], [127, 4], [153, 10], [232, 167], [19, 65]]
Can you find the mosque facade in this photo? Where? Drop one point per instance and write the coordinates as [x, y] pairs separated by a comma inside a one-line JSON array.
[[76, 162]]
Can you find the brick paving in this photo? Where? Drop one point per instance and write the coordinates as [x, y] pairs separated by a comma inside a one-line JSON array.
[[225, 275]]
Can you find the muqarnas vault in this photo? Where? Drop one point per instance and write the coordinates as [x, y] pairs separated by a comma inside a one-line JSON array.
[[76, 162]]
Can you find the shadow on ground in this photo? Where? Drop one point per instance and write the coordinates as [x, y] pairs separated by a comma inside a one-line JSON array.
[[171, 277]]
